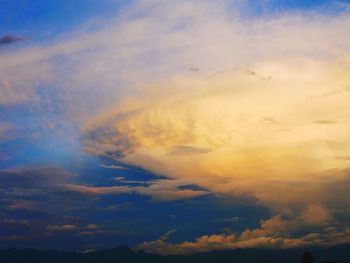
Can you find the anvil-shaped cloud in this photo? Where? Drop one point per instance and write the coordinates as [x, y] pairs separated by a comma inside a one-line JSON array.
[[195, 92]]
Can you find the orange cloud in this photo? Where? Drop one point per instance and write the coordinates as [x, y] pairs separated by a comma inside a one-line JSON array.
[[263, 237], [159, 190]]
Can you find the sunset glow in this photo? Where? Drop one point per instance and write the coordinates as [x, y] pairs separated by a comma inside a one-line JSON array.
[[175, 126]]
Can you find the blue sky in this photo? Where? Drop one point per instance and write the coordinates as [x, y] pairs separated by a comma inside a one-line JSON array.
[[38, 20], [151, 123], [49, 18]]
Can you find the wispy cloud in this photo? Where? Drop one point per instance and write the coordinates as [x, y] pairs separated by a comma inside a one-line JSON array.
[[344, 158], [9, 39], [60, 228], [112, 166], [159, 190], [167, 235], [14, 222]]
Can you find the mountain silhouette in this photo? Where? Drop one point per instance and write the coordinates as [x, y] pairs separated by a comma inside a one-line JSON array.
[[123, 254]]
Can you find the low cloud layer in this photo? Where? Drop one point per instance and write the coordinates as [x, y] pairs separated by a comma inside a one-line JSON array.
[[273, 233]]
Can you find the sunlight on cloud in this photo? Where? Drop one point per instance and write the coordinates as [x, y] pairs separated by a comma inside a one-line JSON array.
[[237, 133], [268, 123], [193, 93]]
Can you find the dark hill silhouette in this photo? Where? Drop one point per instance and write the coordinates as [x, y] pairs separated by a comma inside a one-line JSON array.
[[307, 258], [123, 254]]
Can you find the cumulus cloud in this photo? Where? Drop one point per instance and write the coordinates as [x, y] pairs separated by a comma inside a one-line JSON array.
[[271, 234], [213, 127], [205, 123]]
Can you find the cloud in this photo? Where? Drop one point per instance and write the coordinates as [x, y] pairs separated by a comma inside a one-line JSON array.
[[35, 190], [273, 233], [13, 222], [125, 181], [20, 203], [324, 122], [4, 134], [167, 235], [12, 238], [92, 226], [159, 190], [183, 149], [211, 127], [9, 39], [344, 158], [230, 219], [86, 233], [60, 228], [34, 175], [244, 124], [117, 167]]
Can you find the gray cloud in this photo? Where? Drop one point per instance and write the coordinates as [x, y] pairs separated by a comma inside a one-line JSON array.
[[59, 228], [184, 149], [13, 222], [324, 122], [167, 235], [9, 39], [40, 176]]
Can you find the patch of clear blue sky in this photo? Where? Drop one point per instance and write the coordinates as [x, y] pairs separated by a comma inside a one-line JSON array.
[[253, 8], [40, 19]]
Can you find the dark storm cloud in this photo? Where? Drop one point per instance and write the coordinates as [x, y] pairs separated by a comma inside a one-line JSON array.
[[9, 39]]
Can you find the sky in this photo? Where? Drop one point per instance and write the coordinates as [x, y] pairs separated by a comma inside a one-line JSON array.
[[174, 127]]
